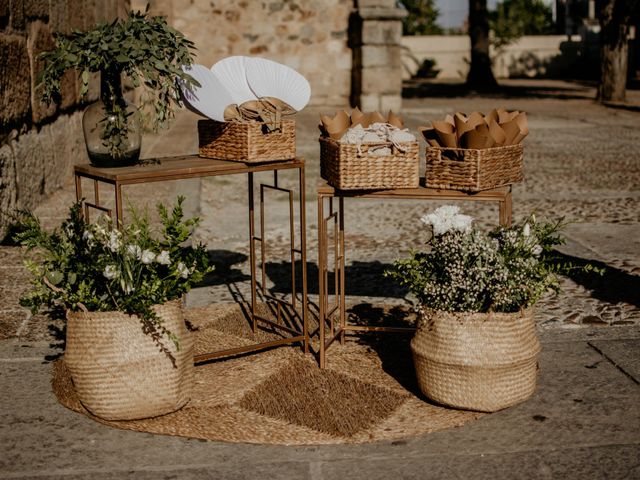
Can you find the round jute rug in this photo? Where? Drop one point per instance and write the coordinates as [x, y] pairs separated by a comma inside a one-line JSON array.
[[367, 393]]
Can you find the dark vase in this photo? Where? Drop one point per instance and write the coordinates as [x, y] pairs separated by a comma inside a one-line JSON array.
[[112, 130]]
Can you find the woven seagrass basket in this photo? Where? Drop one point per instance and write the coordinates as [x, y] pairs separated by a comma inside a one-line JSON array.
[[473, 170], [346, 167], [118, 371], [477, 361], [248, 142]]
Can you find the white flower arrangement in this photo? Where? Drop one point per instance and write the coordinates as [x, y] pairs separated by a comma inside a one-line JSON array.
[[465, 270], [448, 218]]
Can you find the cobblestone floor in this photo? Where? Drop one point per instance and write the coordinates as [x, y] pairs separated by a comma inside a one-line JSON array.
[[581, 163]]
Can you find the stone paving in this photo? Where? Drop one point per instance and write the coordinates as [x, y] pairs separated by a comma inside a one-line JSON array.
[[581, 163]]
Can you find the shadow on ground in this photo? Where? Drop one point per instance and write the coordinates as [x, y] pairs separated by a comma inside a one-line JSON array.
[[420, 88], [612, 285], [363, 279]]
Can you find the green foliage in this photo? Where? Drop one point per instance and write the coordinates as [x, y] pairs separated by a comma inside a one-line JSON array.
[[428, 69], [144, 48], [96, 267], [464, 270], [421, 18], [514, 18]]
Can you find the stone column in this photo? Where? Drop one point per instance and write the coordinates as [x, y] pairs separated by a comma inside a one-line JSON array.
[[375, 33]]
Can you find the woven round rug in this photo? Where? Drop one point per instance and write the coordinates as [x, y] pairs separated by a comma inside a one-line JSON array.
[[367, 393]]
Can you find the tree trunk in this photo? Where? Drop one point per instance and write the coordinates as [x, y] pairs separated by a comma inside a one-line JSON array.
[[480, 76], [615, 16]]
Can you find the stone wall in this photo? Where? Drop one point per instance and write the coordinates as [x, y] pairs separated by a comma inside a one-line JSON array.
[[310, 36], [39, 144], [541, 55]]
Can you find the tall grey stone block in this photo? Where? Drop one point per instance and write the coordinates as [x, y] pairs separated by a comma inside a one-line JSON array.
[[375, 37]]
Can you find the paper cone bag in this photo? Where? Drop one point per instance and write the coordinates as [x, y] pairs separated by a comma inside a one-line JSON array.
[[449, 119], [505, 116], [516, 129], [497, 133], [373, 117], [446, 134], [460, 122], [356, 116], [395, 120], [475, 119], [336, 126], [492, 115], [478, 138], [429, 134], [523, 125]]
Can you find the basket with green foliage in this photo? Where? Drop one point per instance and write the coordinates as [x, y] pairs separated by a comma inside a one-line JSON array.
[[99, 268]]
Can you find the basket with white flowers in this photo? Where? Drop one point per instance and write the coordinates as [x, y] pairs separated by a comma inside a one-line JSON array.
[[476, 347]]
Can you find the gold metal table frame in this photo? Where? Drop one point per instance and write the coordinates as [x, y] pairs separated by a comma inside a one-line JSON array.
[[329, 329], [192, 166]]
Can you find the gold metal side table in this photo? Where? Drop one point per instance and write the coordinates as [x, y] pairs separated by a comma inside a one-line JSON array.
[[192, 166], [331, 330]]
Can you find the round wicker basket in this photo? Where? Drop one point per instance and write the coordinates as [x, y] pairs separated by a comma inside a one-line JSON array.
[[119, 372], [476, 361]]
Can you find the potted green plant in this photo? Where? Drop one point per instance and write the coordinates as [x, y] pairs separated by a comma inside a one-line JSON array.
[[476, 346], [143, 48], [128, 350]]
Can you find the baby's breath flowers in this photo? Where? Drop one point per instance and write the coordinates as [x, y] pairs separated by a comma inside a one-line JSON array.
[[465, 270]]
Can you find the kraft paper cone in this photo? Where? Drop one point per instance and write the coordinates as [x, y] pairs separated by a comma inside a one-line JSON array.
[[336, 126], [496, 132], [373, 117], [449, 119], [511, 129], [462, 125], [478, 138], [395, 120], [429, 134], [356, 116], [523, 125], [446, 134], [475, 119], [505, 116], [516, 129], [460, 122], [493, 115]]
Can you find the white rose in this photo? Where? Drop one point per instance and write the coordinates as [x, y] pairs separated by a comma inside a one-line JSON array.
[[147, 257], [88, 237], [135, 251], [163, 258], [110, 272], [113, 243], [183, 270]]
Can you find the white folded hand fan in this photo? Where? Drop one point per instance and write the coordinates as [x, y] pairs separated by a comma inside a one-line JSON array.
[[247, 88], [211, 98], [270, 79], [231, 73]]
